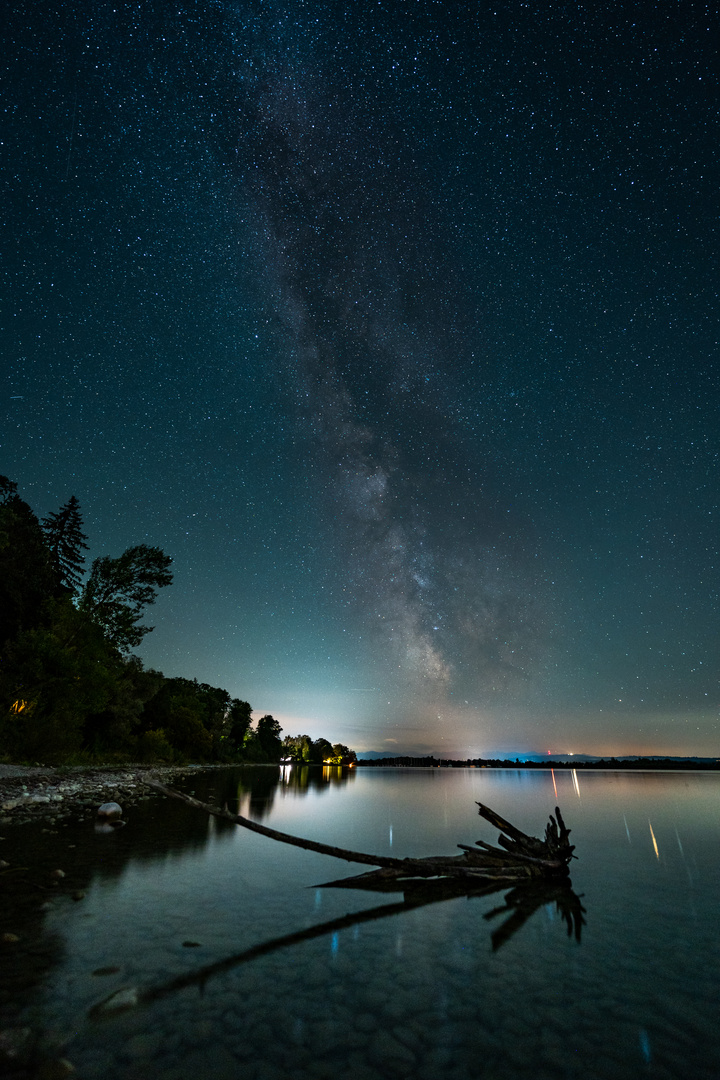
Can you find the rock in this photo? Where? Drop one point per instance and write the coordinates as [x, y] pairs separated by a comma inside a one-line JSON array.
[[111, 811], [58, 874], [9, 939], [144, 1045], [79, 895], [13, 1041], [55, 1070], [118, 1002]]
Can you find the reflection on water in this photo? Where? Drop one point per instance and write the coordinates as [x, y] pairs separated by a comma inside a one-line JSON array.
[[286, 979], [256, 788], [520, 903]]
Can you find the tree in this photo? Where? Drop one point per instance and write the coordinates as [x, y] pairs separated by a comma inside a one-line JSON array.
[[118, 591], [322, 751], [343, 755], [54, 676], [27, 580], [268, 733], [8, 488], [66, 542], [115, 727], [240, 717], [298, 747]]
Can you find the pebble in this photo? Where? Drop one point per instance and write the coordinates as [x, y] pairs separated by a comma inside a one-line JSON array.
[[144, 1045], [65, 794], [14, 1041], [384, 1046], [127, 998], [55, 1070]]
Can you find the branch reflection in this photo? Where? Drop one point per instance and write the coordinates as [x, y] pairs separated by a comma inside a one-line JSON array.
[[521, 902]]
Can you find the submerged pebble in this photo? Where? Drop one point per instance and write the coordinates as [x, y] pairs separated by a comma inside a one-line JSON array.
[[127, 998]]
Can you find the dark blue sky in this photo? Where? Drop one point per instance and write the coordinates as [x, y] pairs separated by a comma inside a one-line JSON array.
[[396, 325]]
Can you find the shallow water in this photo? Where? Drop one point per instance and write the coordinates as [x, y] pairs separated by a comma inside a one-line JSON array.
[[420, 992]]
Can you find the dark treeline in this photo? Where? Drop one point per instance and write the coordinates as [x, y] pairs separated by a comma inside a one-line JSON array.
[[506, 763], [71, 687]]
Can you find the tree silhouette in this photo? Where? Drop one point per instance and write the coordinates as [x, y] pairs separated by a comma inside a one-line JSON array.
[[8, 488], [66, 542], [118, 591], [27, 579], [268, 733]]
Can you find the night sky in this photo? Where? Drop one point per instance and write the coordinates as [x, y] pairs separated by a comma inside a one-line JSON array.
[[396, 325]]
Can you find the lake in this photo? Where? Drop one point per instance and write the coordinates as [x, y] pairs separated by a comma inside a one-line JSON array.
[[203, 925]]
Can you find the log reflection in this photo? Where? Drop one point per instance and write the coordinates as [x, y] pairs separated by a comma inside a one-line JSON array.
[[521, 902]]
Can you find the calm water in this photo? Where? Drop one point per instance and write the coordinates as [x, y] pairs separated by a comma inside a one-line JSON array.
[[420, 992]]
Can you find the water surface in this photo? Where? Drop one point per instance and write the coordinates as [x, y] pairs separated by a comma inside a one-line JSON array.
[[421, 992]]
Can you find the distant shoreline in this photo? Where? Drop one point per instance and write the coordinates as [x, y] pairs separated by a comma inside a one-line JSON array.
[[638, 764]]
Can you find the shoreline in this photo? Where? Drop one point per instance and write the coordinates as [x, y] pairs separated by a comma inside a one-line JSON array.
[[54, 794]]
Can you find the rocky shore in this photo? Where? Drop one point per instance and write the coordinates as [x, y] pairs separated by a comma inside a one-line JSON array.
[[53, 795]]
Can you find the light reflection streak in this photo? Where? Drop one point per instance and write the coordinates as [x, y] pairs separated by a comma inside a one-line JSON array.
[[552, 773], [575, 782], [657, 853], [627, 830]]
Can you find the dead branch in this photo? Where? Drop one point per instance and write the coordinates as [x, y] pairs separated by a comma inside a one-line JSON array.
[[520, 856]]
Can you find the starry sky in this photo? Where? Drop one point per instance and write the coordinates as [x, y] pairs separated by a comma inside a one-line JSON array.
[[396, 325]]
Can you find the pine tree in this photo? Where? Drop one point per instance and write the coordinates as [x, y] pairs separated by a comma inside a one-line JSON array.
[[66, 542]]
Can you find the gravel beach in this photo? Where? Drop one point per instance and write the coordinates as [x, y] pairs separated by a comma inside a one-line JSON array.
[[33, 793]]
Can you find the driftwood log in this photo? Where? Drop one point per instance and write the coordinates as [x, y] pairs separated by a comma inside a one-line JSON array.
[[518, 858], [535, 872]]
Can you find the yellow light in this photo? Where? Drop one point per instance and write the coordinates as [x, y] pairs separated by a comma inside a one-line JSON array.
[[657, 853]]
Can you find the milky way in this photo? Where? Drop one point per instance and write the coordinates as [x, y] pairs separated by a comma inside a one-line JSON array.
[[396, 326]]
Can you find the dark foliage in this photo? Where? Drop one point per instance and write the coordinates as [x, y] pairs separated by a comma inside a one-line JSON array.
[[69, 684], [118, 591]]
